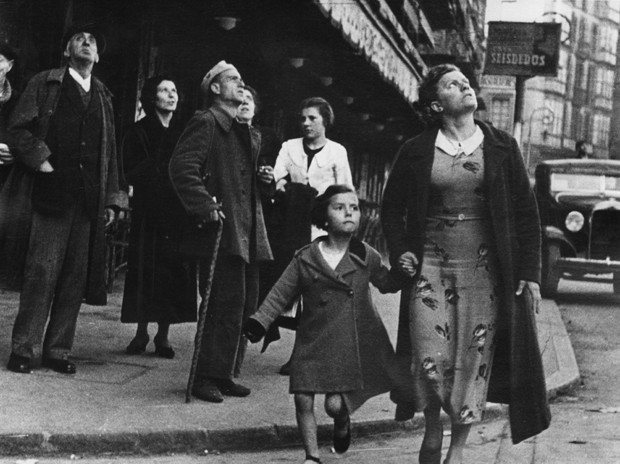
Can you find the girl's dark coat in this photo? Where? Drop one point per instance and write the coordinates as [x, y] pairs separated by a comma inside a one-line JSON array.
[[517, 377], [341, 343]]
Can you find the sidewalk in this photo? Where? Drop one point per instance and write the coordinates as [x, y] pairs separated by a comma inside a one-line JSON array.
[[136, 404]]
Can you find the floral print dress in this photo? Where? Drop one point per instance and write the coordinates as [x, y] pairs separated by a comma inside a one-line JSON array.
[[454, 305]]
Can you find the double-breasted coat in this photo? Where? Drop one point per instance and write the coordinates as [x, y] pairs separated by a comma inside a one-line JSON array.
[[517, 376], [341, 343], [28, 128]]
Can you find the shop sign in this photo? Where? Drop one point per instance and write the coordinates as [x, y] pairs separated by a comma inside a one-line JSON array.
[[359, 29], [523, 49]]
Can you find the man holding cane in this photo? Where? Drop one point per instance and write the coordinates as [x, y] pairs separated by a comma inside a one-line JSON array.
[[214, 171]]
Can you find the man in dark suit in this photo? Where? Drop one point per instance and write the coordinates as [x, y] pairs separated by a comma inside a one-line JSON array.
[[62, 134], [214, 171]]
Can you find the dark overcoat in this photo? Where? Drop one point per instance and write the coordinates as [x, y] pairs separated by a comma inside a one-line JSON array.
[[215, 161], [6, 108], [341, 343], [517, 376], [160, 285], [28, 128]]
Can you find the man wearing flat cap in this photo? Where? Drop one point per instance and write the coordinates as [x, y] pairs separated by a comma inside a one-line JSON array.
[[65, 192], [214, 171], [8, 99]]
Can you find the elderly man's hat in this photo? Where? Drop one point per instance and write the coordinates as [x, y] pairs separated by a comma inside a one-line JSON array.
[[216, 71], [7, 51], [91, 28]]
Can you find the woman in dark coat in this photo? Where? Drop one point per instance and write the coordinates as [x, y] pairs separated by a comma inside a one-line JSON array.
[[8, 100], [160, 286], [458, 207]]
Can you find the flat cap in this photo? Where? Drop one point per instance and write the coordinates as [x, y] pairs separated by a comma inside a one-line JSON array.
[[215, 71]]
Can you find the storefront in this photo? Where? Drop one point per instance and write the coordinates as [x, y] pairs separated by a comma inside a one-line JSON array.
[[357, 57]]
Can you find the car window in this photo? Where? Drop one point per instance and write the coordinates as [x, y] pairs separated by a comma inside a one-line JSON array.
[[561, 182]]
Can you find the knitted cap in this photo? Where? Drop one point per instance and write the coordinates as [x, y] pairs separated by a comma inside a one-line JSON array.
[[215, 71]]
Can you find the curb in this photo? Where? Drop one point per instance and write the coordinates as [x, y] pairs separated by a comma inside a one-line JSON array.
[[199, 441]]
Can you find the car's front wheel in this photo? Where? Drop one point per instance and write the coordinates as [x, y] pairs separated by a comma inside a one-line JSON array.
[[550, 271]]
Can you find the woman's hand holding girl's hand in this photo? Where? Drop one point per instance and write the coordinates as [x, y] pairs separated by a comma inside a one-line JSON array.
[[407, 263], [534, 289], [253, 330]]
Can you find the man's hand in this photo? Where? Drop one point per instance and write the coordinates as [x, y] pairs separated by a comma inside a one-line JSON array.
[[5, 154], [216, 214], [265, 174], [534, 289], [407, 263], [110, 216], [46, 167]]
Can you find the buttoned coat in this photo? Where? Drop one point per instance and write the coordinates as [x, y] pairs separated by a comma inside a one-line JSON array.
[[329, 166], [215, 161], [28, 129], [517, 376], [341, 343]]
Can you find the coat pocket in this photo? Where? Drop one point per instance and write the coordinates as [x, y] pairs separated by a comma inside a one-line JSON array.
[[49, 196]]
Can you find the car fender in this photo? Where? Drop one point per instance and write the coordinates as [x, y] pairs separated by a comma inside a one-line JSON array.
[[554, 234]]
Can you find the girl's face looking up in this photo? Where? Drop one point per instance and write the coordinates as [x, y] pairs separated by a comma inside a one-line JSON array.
[[343, 213]]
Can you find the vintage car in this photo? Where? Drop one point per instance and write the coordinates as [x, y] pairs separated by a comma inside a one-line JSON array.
[[579, 202]]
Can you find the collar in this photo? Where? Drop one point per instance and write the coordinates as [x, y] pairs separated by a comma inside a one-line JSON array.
[[466, 146], [223, 118], [84, 83]]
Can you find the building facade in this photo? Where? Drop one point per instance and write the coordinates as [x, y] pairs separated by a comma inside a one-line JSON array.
[[577, 104]]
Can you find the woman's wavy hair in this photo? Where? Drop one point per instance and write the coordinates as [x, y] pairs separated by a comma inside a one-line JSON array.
[[148, 94], [322, 106], [318, 212], [427, 93]]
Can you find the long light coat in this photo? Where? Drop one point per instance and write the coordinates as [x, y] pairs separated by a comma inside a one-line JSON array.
[[517, 376], [329, 166], [28, 128], [341, 343]]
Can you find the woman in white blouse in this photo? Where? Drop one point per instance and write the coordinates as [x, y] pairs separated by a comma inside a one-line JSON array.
[[313, 159]]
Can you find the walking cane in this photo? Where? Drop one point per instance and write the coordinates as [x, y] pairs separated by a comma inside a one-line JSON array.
[[202, 314]]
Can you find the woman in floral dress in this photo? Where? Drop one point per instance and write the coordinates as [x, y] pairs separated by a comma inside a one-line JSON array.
[[458, 203]]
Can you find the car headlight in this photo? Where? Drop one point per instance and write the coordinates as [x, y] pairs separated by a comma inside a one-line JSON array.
[[574, 221]]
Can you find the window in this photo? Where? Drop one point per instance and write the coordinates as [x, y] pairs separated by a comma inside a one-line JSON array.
[[594, 41], [600, 130], [501, 116]]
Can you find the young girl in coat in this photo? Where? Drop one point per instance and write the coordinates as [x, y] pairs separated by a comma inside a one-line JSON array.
[[342, 348]]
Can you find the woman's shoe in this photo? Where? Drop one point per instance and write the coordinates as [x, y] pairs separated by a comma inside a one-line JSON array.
[[312, 458], [163, 351], [341, 444], [137, 346]]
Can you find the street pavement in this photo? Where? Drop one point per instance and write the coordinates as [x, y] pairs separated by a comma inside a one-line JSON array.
[[120, 404]]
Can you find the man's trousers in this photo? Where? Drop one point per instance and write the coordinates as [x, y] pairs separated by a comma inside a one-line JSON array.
[[234, 296], [54, 283]]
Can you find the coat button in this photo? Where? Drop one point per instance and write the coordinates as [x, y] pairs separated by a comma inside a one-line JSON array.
[[323, 302], [350, 293]]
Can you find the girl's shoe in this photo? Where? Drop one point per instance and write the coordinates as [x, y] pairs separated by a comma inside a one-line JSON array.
[[312, 458], [341, 444], [137, 345]]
